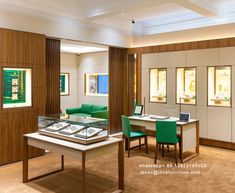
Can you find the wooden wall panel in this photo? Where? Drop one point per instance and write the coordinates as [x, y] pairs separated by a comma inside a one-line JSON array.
[[53, 76], [121, 77], [21, 49], [205, 44]]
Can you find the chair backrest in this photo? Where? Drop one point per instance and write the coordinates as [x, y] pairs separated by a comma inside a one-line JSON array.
[[126, 128], [166, 131]]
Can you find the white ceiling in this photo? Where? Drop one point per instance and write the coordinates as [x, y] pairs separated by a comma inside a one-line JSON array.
[[75, 47], [151, 16]]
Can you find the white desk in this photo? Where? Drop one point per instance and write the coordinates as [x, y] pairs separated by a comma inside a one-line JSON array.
[[188, 131], [78, 151]]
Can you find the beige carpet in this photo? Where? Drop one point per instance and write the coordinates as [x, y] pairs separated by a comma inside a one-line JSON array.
[[217, 174]]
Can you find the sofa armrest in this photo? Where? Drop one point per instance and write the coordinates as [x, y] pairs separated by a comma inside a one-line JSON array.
[[104, 114], [73, 110]]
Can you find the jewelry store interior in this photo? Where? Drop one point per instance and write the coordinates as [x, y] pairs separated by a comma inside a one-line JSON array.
[[117, 96]]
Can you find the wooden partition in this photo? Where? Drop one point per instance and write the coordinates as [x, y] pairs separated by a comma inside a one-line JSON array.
[[121, 80], [53, 76], [22, 50]]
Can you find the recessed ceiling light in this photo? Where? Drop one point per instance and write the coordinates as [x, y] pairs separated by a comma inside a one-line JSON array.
[[122, 14]]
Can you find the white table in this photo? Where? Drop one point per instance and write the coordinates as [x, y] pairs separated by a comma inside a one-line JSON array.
[[188, 131], [75, 150]]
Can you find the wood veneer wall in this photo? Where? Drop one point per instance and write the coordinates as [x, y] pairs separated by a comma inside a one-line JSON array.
[[53, 76], [26, 50], [120, 87]]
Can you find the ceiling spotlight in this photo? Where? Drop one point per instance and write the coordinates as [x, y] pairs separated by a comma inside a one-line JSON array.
[[133, 21]]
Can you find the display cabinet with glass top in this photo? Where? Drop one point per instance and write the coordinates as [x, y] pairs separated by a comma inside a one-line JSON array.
[[84, 130], [158, 85], [186, 85], [219, 86]]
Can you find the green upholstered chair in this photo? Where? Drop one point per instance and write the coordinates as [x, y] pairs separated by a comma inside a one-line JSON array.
[[166, 133], [132, 135]]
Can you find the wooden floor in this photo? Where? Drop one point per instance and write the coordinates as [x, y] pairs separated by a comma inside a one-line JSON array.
[[218, 176]]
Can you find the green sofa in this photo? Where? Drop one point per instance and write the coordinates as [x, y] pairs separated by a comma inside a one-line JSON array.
[[89, 110]]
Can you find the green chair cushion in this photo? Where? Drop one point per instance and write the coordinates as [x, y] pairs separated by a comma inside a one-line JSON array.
[[73, 110], [82, 114], [100, 114], [86, 108], [137, 134], [98, 108], [176, 141]]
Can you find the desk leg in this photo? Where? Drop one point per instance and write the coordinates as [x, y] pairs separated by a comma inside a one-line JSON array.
[[121, 165], [83, 172], [197, 137], [181, 144], [62, 162], [25, 159]]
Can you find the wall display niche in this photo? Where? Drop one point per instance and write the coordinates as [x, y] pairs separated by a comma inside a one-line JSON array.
[[219, 86], [96, 84], [186, 85], [17, 87], [158, 85], [64, 84]]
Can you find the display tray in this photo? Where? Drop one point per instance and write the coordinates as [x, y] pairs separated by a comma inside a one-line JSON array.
[[101, 136]]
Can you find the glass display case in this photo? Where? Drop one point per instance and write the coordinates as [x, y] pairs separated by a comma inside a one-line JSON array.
[[219, 86], [186, 85], [96, 84], [158, 85], [84, 130], [17, 89]]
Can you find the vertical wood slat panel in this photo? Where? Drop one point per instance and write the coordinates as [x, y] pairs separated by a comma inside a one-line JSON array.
[[121, 81], [53, 76], [21, 49]]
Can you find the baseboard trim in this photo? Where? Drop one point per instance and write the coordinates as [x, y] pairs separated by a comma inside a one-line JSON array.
[[217, 143]]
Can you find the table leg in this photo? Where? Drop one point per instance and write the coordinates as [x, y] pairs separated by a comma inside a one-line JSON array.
[[25, 159], [121, 165], [62, 162], [197, 137], [181, 144], [83, 172]]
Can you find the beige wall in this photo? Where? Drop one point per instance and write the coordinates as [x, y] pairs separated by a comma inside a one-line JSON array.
[[91, 63], [215, 122], [69, 63]]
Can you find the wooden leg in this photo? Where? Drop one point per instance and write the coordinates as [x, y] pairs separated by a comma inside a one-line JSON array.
[[128, 147], [84, 172], [176, 160], [62, 162], [197, 137], [156, 150], [140, 143], [162, 150], [146, 144], [25, 159], [159, 147], [121, 165], [168, 148]]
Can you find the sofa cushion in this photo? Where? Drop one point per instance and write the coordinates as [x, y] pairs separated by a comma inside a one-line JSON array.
[[86, 108], [82, 114], [98, 108]]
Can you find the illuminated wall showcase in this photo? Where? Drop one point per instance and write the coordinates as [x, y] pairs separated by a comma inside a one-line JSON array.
[[17, 91], [219, 86], [158, 85], [64, 84], [186, 85], [96, 84]]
